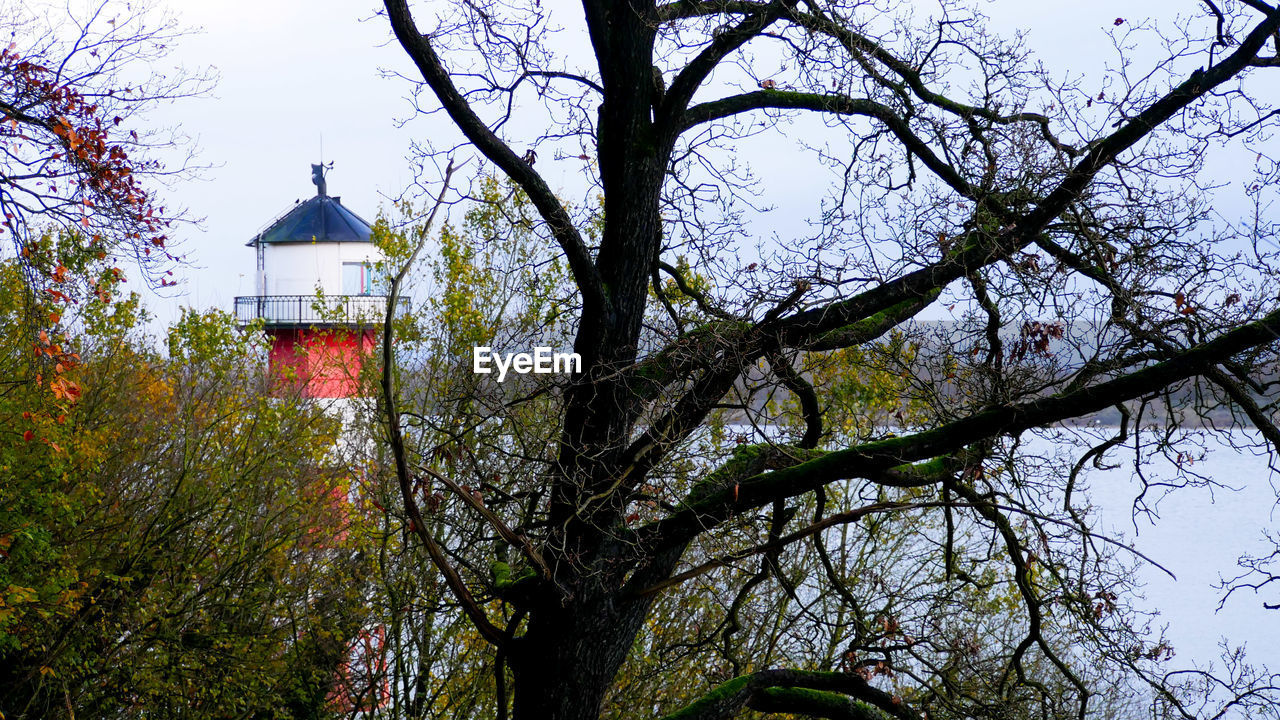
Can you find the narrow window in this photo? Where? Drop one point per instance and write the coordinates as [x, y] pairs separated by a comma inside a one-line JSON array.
[[357, 279]]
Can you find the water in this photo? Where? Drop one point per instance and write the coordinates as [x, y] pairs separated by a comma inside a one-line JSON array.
[[1198, 535]]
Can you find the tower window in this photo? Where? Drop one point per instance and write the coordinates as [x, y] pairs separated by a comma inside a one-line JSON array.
[[357, 279]]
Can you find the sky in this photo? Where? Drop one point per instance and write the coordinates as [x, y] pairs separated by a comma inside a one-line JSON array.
[[292, 72], [296, 76], [298, 82]]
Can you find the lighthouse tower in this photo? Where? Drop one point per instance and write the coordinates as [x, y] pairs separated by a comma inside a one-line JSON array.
[[322, 306], [316, 294]]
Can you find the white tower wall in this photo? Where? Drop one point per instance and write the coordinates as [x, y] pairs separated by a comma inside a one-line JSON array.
[[298, 268]]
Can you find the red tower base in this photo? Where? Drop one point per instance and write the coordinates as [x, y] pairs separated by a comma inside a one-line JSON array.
[[320, 363]]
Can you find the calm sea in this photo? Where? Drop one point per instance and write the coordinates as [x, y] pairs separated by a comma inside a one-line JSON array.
[[1198, 535]]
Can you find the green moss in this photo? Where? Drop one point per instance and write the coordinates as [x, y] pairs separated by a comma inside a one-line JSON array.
[[658, 368], [725, 694], [816, 703], [652, 369], [935, 469], [862, 330], [745, 462], [504, 578]]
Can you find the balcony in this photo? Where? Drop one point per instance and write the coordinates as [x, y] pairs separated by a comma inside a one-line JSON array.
[[312, 310]]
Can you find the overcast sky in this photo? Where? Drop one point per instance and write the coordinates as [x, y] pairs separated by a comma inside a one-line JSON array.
[[292, 71]]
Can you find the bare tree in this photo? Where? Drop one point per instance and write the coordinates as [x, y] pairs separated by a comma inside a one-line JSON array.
[[1068, 226], [74, 83]]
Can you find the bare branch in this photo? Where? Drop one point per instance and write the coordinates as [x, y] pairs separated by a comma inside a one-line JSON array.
[[419, 48], [875, 457]]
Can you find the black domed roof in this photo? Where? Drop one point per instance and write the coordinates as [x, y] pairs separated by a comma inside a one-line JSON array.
[[317, 219]]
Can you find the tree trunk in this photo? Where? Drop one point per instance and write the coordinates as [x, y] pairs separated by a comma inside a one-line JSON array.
[[567, 660]]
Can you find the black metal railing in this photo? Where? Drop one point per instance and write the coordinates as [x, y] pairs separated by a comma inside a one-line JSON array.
[[312, 309]]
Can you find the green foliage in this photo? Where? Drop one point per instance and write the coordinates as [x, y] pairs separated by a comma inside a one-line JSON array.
[[175, 540], [684, 300], [210, 335], [864, 388], [495, 270]]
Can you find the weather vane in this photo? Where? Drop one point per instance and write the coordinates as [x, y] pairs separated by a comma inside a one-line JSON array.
[[317, 176]]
